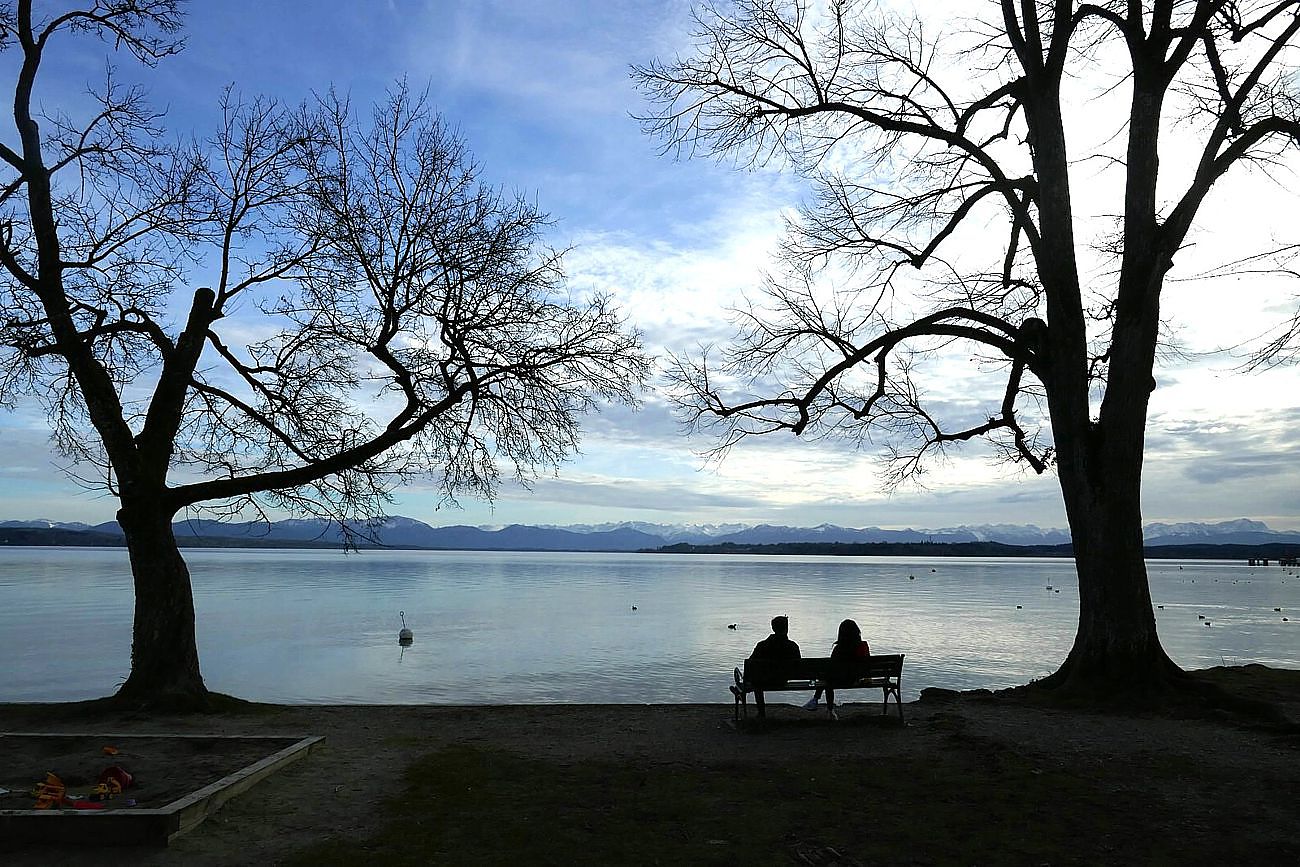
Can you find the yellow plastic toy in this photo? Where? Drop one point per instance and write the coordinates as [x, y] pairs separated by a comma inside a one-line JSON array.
[[110, 788]]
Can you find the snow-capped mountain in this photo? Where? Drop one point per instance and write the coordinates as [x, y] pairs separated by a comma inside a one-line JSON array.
[[1241, 525], [403, 532], [693, 533], [47, 524], [1010, 534], [746, 534], [1242, 531]]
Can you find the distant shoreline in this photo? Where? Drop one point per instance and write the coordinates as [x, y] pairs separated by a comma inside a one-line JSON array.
[[1271, 551], [40, 537], [56, 537]]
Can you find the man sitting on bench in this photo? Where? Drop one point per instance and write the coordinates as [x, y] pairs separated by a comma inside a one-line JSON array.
[[776, 646]]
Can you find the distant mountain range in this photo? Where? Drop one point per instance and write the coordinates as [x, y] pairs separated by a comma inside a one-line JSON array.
[[400, 532]]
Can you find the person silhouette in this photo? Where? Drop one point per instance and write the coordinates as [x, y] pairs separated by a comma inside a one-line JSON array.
[[849, 633], [776, 647], [849, 650]]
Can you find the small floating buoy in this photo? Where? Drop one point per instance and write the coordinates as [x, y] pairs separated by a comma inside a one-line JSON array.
[[934, 570], [911, 577], [404, 635], [731, 626]]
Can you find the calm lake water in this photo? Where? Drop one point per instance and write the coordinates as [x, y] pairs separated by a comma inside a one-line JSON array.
[[321, 627]]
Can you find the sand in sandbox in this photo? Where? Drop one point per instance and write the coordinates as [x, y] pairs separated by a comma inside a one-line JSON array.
[[164, 768]]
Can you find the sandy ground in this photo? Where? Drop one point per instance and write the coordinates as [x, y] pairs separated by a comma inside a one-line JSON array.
[[162, 770], [1218, 763]]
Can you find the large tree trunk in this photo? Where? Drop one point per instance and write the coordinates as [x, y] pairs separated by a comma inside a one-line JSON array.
[[1116, 646], [1116, 649], [164, 655]]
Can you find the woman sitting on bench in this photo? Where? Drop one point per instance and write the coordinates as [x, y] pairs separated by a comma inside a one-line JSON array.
[[849, 649]]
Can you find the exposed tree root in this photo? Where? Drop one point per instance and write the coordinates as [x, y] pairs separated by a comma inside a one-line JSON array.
[[1161, 688], [173, 703]]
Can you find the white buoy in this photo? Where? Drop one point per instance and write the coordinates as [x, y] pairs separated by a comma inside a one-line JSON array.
[[404, 636]]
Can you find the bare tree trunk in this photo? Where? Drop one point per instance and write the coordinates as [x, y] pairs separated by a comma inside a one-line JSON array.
[[1116, 648], [164, 655]]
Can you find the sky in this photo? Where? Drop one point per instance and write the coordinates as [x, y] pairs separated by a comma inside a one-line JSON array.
[[541, 94]]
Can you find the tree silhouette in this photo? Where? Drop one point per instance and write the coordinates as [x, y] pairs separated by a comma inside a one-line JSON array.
[[945, 183], [300, 313]]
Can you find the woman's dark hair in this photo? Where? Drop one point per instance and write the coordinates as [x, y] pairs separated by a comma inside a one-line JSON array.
[[849, 633]]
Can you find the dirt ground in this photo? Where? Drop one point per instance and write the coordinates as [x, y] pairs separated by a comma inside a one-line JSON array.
[[1210, 779]]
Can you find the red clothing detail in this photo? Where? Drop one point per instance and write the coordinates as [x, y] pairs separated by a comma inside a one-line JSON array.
[[863, 650]]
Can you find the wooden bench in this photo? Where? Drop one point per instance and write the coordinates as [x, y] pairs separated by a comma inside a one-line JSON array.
[[884, 672]]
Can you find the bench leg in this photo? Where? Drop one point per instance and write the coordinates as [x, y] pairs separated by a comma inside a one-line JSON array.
[[897, 692], [742, 701]]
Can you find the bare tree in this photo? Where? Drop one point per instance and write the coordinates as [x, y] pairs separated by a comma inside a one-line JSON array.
[[945, 166], [300, 313]]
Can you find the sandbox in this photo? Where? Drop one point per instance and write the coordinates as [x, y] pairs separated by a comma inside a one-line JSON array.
[[178, 781]]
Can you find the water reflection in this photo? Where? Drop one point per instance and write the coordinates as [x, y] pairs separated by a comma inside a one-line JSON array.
[[319, 626]]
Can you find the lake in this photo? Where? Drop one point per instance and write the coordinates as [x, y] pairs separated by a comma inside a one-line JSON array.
[[305, 626]]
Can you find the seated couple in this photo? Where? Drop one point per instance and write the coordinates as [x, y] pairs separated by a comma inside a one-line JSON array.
[[849, 646]]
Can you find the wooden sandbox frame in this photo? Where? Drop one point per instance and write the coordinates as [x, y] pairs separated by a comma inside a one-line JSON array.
[[146, 826]]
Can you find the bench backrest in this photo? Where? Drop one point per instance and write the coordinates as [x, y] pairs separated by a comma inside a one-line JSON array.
[[820, 668]]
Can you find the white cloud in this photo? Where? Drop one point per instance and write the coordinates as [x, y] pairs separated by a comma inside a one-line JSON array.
[[679, 286], [568, 59]]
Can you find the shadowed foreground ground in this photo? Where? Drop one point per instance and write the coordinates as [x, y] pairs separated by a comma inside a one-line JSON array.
[[969, 780]]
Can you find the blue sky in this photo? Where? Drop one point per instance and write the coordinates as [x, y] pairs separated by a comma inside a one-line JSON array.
[[540, 92]]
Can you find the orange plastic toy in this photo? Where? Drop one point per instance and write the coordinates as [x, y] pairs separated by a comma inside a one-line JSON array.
[[50, 793]]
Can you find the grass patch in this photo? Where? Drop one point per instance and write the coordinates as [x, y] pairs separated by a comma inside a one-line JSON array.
[[977, 803]]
